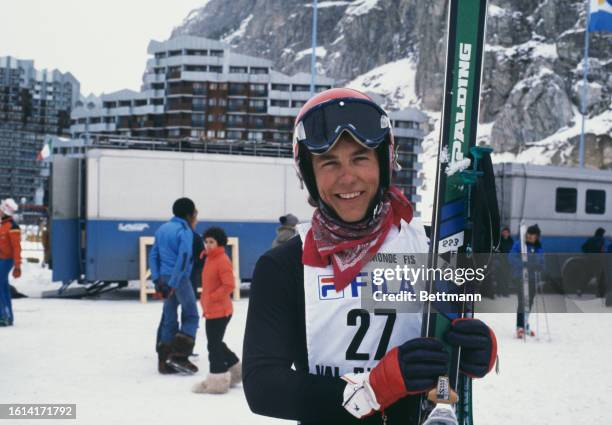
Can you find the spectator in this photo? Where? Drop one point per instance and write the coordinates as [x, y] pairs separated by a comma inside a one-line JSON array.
[[535, 264], [286, 230], [171, 262], [503, 275], [217, 286], [10, 257]]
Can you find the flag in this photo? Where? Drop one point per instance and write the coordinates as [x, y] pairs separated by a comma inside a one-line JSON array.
[[601, 15], [44, 153]]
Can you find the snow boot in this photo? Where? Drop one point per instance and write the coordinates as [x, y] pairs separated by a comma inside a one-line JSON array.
[[215, 383], [235, 374], [181, 348], [520, 333], [163, 351]]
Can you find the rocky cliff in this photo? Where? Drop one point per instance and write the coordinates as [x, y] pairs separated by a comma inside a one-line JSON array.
[[532, 67]]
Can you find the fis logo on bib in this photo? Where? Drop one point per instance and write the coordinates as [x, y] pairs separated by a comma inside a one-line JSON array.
[[327, 290]]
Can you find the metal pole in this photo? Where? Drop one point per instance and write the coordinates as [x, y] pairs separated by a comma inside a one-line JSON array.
[[313, 58], [585, 81]]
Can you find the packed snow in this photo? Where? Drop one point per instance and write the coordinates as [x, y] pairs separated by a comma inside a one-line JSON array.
[[320, 52], [394, 80], [100, 355], [361, 7], [239, 33]]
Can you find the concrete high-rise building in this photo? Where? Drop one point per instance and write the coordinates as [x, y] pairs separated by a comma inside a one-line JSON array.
[[32, 103], [199, 91]]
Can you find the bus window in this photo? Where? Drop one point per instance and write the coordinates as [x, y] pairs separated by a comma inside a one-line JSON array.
[[595, 201], [566, 200]]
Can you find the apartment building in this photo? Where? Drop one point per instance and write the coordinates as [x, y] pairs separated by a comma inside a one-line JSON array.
[[32, 103], [199, 91]]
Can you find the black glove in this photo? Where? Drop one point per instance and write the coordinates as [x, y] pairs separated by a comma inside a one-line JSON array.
[[162, 287], [478, 346], [411, 368]]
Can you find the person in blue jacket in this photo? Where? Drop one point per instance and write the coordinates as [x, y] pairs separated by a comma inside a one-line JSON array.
[[535, 264], [171, 261]]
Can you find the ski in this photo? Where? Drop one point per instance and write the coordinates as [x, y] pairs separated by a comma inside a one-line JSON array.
[[525, 282], [458, 177]]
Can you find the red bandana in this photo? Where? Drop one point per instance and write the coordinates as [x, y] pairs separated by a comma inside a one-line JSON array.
[[350, 246]]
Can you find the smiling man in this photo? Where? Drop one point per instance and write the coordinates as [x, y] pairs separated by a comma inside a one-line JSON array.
[[311, 352]]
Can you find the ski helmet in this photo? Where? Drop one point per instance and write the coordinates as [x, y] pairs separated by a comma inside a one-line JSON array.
[[326, 117]]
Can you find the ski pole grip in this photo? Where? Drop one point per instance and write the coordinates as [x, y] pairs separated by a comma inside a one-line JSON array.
[[443, 393]]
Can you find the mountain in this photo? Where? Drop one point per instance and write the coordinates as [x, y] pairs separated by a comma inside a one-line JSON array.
[[532, 79]]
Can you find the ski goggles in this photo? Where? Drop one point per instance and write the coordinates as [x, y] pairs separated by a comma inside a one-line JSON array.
[[321, 127]]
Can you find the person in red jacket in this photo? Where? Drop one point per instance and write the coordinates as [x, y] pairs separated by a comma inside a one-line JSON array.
[[217, 286], [10, 257]]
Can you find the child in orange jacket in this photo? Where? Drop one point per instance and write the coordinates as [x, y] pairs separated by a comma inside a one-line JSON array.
[[217, 286]]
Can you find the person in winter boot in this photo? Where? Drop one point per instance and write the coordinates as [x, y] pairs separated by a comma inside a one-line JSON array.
[[299, 354], [195, 279], [535, 264], [286, 230], [10, 258], [217, 286], [593, 248], [170, 261]]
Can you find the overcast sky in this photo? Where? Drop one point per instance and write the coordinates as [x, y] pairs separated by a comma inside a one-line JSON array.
[[103, 43]]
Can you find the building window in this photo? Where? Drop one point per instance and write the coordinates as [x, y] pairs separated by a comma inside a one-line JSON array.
[[235, 135], [300, 87], [212, 101], [197, 120], [195, 68], [160, 55], [319, 89], [258, 88], [279, 102], [213, 86], [217, 53], [221, 134], [174, 132], [210, 134], [237, 89], [258, 70], [192, 52], [255, 135], [595, 201], [199, 88], [406, 124], [175, 52], [216, 69], [235, 120], [280, 87], [297, 103], [238, 70], [124, 103], [566, 200]]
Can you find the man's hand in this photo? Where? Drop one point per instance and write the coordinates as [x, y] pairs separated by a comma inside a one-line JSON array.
[[162, 287], [412, 368], [17, 272], [478, 346]]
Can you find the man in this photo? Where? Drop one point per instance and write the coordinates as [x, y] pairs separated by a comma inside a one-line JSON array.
[[286, 230], [535, 265], [10, 258], [594, 247], [300, 357], [170, 261]]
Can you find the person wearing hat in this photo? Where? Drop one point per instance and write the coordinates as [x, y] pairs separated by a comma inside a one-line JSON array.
[[311, 352], [286, 230], [10, 257], [535, 264]]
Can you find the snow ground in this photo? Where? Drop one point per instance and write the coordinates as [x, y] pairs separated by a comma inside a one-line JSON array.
[[100, 355]]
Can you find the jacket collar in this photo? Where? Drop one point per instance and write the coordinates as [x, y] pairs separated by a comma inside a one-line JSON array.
[[179, 220], [216, 252]]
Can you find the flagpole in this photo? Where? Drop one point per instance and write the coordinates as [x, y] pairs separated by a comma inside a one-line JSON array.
[[313, 59], [585, 70]]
